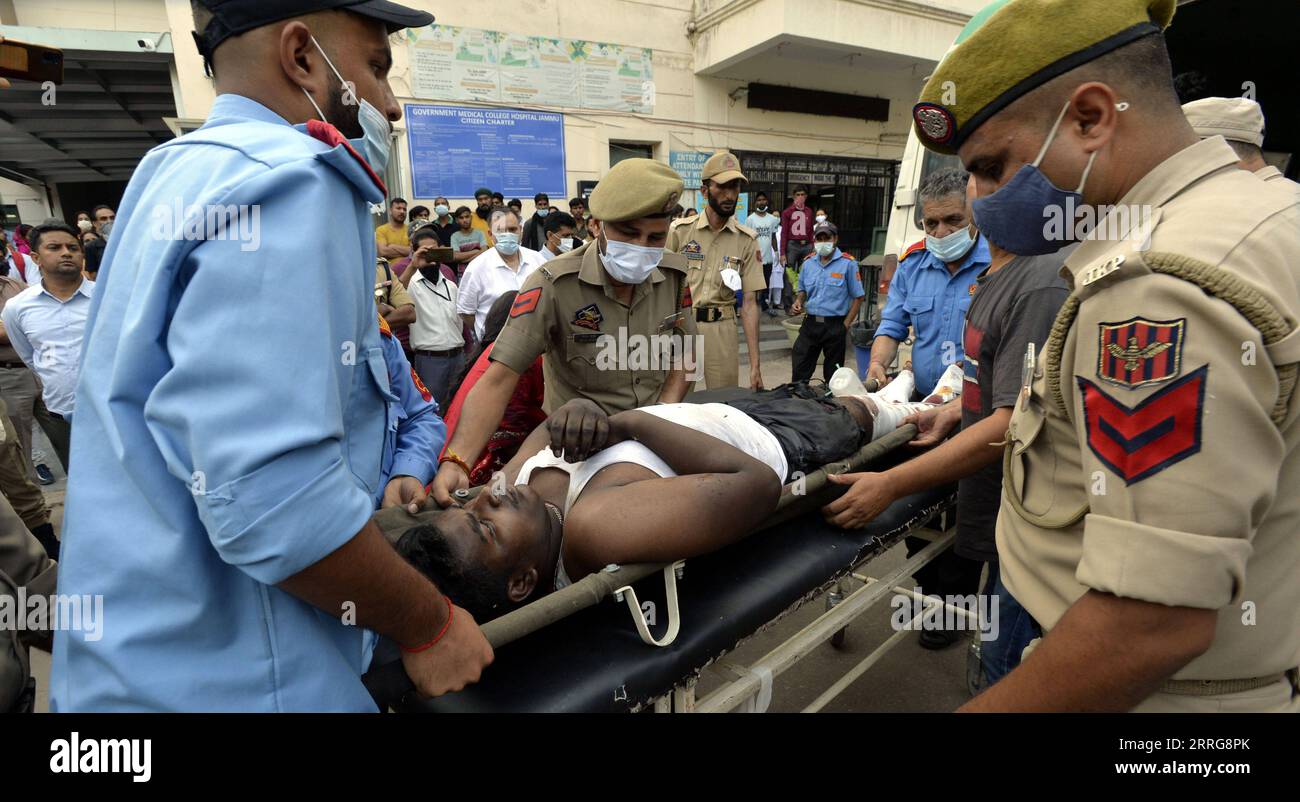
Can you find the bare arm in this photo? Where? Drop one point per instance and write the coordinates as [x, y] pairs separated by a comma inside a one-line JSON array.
[[675, 387], [722, 491], [1129, 648], [749, 321], [484, 406], [401, 316]]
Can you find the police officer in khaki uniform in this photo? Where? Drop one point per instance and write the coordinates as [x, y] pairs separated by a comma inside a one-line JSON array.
[[1240, 121], [723, 259], [1148, 518], [23, 565], [611, 319]]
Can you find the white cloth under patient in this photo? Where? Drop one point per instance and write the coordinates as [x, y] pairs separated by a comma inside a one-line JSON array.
[[727, 424]]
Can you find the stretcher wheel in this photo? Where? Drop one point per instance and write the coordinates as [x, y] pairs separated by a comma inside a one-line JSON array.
[[837, 640]]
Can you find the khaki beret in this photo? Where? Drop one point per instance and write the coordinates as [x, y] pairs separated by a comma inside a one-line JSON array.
[[1012, 47], [635, 188], [722, 167], [1234, 118]]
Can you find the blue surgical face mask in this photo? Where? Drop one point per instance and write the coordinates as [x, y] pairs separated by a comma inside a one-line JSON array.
[[441, 211], [507, 243], [824, 249], [951, 248], [375, 144], [1015, 217], [543, 212]]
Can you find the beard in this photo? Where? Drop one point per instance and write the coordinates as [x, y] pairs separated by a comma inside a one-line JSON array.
[[344, 116], [718, 210]]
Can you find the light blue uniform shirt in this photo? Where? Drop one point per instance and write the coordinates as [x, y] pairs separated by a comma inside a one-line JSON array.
[[831, 287], [229, 429], [925, 296], [415, 433]]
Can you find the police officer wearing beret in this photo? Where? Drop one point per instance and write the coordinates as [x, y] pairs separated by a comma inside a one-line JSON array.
[[722, 255], [831, 292], [1148, 518], [228, 434], [601, 315], [1240, 121]]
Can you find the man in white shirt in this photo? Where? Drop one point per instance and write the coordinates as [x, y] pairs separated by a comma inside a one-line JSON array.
[[45, 324], [436, 339], [766, 226], [559, 235], [497, 271]]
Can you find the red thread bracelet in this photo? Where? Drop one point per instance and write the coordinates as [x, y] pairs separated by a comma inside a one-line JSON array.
[[451, 612]]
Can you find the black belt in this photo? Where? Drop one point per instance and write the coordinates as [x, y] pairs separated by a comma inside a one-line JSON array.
[[826, 318], [448, 352], [13, 365], [710, 314]]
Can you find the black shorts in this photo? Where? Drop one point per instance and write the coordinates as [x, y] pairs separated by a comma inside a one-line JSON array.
[[812, 431]]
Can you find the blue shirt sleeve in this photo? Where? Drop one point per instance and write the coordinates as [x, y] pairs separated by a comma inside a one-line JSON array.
[[254, 409], [420, 432], [894, 320]]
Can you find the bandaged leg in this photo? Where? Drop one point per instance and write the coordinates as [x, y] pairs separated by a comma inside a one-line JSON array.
[[888, 413], [899, 391], [948, 387]]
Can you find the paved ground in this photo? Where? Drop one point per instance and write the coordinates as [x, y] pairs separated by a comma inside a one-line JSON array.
[[907, 679]]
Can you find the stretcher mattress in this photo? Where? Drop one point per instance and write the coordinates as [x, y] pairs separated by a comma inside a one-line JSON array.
[[594, 661]]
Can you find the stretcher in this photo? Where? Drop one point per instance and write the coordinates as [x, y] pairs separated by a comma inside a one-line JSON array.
[[579, 650]]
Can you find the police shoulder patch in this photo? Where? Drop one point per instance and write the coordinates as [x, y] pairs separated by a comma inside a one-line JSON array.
[[419, 385], [1138, 352], [693, 250], [1140, 441], [525, 302]]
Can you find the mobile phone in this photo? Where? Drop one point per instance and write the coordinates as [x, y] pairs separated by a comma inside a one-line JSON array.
[[441, 254], [28, 62]]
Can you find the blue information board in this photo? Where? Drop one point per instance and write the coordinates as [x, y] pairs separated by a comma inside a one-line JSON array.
[[455, 150]]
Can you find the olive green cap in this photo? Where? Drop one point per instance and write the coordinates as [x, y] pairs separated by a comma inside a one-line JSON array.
[[635, 188], [1012, 47]]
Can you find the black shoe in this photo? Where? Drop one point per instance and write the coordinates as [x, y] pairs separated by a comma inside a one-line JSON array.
[[938, 639], [45, 534], [44, 475]]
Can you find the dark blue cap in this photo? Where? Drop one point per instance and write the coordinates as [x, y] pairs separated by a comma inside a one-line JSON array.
[[233, 17]]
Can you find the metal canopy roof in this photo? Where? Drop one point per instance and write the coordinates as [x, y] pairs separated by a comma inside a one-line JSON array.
[[106, 115]]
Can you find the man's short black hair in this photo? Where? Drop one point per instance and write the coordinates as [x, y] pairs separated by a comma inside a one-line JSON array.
[[416, 211], [558, 220], [760, 194], [95, 210], [539, 197], [49, 227], [497, 196], [516, 202], [396, 201], [472, 587], [797, 190], [423, 233], [577, 202], [461, 210]]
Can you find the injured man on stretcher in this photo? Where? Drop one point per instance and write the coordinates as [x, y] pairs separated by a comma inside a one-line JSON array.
[[651, 485]]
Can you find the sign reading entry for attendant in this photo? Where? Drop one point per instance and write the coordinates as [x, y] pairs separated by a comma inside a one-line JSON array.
[[455, 150]]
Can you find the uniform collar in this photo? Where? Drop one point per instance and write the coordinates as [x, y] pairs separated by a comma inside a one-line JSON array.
[[702, 221], [1268, 172], [1154, 190], [229, 107]]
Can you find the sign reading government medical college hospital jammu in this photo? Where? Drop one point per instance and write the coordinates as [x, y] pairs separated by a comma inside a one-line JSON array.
[[456, 150], [454, 63]]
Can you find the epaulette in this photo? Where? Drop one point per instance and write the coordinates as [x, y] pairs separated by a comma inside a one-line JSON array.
[[913, 248]]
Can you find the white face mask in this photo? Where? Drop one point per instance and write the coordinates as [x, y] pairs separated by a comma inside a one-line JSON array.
[[821, 218], [824, 248], [566, 244], [630, 264], [441, 211], [375, 143]]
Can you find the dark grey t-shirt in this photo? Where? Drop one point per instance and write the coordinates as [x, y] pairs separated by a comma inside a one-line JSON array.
[[1011, 308]]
